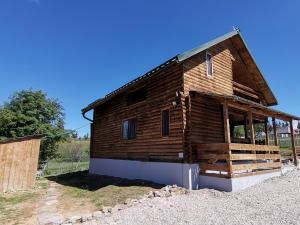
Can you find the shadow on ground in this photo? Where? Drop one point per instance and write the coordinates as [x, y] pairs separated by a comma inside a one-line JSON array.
[[86, 181]]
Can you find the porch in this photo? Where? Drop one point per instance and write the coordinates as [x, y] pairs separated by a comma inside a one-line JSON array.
[[244, 154]]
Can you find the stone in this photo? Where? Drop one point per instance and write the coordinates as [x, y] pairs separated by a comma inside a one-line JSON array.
[[127, 201], [86, 217], [119, 207], [150, 194], [74, 219], [157, 194], [50, 218], [106, 209], [98, 214], [51, 202], [134, 201]]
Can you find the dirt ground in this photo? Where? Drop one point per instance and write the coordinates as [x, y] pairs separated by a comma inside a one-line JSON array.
[[77, 194]]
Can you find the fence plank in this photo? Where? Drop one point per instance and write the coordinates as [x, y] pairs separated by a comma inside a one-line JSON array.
[[18, 163]]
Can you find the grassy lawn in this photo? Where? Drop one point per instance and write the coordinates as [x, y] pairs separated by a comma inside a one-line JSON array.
[[17, 206], [100, 190], [55, 167]]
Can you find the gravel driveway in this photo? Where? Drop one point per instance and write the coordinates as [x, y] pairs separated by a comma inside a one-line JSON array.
[[276, 201]]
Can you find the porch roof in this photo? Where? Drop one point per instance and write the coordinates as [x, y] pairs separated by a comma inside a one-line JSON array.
[[245, 104]]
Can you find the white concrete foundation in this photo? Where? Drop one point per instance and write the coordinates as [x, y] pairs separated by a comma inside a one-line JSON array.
[[235, 184], [184, 175], [181, 174]]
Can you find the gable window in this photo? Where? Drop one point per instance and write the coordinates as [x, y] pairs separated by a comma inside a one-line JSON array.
[[136, 96], [129, 129], [165, 123], [209, 64]]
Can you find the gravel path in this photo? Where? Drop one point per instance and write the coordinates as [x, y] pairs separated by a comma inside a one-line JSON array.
[[276, 201], [48, 213]]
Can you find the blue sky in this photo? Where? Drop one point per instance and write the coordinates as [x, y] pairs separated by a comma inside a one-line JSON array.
[[79, 50]]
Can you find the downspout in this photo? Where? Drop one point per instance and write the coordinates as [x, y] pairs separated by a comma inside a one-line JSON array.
[[85, 117]]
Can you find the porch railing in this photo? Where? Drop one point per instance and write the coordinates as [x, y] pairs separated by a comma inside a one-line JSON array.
[[234, 160]]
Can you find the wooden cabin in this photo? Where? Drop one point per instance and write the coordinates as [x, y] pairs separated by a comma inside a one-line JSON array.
[[177, 123]]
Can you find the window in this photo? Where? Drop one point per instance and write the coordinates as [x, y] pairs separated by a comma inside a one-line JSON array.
[[165, 123], [129, 129], [136, 96], [209, 64]]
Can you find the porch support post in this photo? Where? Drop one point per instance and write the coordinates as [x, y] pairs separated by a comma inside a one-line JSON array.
[[227, 136], [267, 131], [226, 123], [293, 143], [250, 128], [275, 131]]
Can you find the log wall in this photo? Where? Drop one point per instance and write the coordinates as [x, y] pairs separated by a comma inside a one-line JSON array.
[[18, 164], [149, 144], [206, 121], [195, 76]]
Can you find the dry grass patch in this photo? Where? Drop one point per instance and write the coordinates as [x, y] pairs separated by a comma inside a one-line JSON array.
[[19, 207], [86, 193]]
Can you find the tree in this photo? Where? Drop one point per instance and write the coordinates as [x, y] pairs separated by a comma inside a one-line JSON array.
[[31, 112], [86, 136], [298, 126]]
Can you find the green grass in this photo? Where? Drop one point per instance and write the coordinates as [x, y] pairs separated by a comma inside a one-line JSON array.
[[55, 167], [102, 190]]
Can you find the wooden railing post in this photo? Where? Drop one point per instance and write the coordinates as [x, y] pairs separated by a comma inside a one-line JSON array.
[[267, 131], [227, 136], [293, 143], [275, 131]]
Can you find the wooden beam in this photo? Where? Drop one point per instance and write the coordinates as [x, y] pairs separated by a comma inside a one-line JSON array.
[[250, 128], [267, 131], [275, 131], [293, 143], [226, 123], [227, 135], [250, 147]]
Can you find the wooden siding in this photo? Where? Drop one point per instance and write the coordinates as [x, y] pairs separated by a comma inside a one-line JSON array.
[[196, 79], [206, 121], [228, 67], [149, 143], [18, 164]]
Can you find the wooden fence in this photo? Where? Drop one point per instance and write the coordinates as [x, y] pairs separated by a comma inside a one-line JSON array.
[[18, 163]]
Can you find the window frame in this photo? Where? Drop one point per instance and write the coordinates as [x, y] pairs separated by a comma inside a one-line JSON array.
[[161, 122], [207, 64], [135, 128]]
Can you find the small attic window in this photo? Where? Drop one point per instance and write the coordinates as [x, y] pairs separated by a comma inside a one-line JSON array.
[[209, 64], [136, 96]]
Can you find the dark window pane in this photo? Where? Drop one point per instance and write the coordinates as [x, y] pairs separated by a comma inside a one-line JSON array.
[[129, 129], [136, 96], [165, 123], [132, 129]]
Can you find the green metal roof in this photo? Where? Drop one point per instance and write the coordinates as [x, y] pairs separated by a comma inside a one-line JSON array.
[[205, 46], [178, 58]]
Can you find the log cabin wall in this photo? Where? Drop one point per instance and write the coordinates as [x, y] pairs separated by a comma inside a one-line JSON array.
[[228, 67], [206, 119], [195, 75], [149, 144], [207, 124]]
